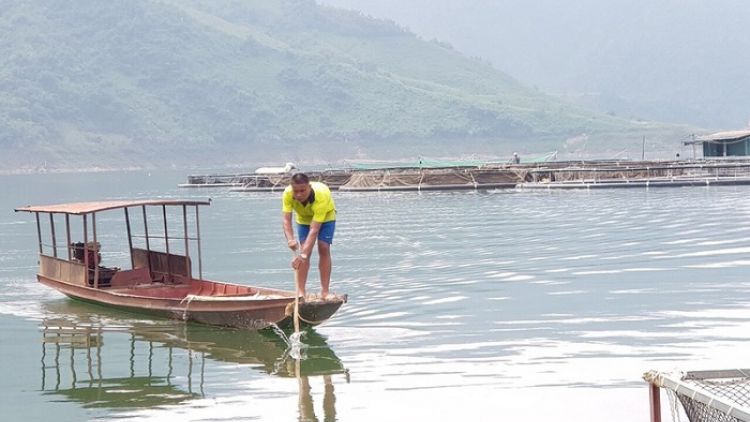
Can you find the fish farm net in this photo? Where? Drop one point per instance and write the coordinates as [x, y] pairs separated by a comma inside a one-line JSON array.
[[708, 396], [435, 177]]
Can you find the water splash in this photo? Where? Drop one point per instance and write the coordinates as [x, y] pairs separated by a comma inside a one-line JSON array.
[[295, 346], [296, 349]]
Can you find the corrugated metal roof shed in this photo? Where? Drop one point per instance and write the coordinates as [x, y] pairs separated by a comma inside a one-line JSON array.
[[733, 135]]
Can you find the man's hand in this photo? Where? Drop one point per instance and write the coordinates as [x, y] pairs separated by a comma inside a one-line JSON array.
[[298, 260], [292, 244]]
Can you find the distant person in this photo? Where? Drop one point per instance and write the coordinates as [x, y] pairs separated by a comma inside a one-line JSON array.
[[516, 159], [316, 220]]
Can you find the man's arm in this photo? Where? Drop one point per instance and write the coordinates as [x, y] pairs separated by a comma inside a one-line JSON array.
[[286, 225], [307, 247]]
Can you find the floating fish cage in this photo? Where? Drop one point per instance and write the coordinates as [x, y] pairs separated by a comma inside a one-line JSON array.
[[705, 396], [462, 175]]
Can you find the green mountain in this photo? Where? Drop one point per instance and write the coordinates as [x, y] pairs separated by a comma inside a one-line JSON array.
[[676, 61], [156, 82]]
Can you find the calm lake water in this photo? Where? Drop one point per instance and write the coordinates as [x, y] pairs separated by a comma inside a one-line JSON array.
[[475, 306]]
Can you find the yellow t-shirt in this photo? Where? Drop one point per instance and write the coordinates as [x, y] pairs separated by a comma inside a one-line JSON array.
[[321, 209]]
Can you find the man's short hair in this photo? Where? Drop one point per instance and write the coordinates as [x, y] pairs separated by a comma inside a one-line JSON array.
[[300, 178]]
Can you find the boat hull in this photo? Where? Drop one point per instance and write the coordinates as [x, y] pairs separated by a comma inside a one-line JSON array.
[[239, 311]]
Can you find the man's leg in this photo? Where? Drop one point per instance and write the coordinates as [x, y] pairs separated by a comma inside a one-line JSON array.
[[324, 265]]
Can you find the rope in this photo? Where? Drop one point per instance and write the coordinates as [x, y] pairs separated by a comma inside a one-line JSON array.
[[674, 405], [296, 290], [289, 311]]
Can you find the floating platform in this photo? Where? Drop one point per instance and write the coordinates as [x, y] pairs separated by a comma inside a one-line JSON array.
[[641, 174], [649, 183], [424, 188], [603, 174], [218, 180]]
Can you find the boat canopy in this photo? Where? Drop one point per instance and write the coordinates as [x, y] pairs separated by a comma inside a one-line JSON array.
[[81, 208]]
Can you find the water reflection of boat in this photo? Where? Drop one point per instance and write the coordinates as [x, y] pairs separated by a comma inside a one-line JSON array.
[[146, 364]]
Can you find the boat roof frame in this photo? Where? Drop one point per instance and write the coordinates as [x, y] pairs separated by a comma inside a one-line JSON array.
[[81, 208], [85, 209]]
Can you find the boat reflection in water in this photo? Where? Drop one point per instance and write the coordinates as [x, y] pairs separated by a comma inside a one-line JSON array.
[[112, 361]]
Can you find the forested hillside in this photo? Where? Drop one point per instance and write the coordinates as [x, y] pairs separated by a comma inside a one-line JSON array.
[[123, 83], [670, 60]]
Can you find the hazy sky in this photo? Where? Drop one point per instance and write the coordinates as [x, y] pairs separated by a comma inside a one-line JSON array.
[[683, 58]]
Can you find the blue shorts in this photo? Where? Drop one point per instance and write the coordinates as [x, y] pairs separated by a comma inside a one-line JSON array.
[[325, 234]]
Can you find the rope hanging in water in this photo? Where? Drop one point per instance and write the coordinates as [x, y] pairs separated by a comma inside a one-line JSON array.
[[296, 292]]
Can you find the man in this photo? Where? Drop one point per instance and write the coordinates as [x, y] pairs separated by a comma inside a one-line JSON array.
[[316, 220]]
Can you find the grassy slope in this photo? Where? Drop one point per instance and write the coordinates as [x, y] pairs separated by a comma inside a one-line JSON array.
[[128, 81]]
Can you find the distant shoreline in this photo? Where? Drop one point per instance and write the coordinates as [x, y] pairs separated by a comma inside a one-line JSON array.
[[21, 171]]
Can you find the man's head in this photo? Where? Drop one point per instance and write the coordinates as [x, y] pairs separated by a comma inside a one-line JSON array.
[[300, 187]]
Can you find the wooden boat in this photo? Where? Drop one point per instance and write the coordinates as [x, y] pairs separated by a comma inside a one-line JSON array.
[[159, 278]]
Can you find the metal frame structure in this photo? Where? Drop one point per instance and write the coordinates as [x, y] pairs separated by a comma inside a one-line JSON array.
[[688, 385], [86, 209]]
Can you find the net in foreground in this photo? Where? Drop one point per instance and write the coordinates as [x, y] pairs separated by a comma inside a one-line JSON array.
[[706, 396]]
